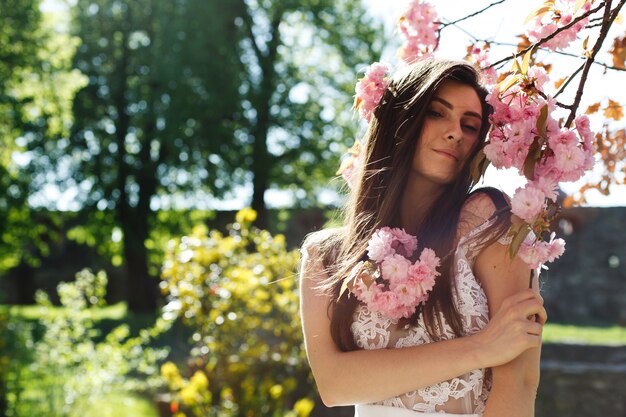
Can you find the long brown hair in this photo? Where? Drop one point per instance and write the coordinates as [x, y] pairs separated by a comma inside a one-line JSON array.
[[389, 146]]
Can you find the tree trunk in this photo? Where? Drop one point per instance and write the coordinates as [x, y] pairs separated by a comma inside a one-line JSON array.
[[24, 284], [142, 287], [260, 167], [262, 160]]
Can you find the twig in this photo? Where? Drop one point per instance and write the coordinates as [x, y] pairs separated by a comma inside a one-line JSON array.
[[569, 79], [602, 64], [593, 25], [446, 24], [609, 17], [552, 35]]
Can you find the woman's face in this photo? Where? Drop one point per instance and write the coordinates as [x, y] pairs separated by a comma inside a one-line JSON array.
[[450, 131]]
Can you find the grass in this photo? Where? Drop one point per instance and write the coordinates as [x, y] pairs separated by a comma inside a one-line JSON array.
[[121, 404], [561, 333], [117, 311], [553, 333]]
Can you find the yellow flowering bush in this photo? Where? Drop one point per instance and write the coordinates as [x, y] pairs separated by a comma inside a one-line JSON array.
[[238, 291]]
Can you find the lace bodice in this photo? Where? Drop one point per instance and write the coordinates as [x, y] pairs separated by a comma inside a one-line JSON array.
[[465, 394]]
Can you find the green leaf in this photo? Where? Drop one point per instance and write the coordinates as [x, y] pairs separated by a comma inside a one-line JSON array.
[[479, 165], [578, 5], [518, 238], [538, 12], [508, 82], [526, 61], [541, 121], [534, 153]]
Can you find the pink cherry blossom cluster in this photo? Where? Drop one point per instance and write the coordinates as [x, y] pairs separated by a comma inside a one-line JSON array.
[[370, 89], [536, 253], [389, 283], [556, 15], [479, 56], [351, 164], [525, 136], [419, 24]]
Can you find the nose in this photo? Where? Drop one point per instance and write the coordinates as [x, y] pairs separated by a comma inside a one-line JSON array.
[[454, 131]]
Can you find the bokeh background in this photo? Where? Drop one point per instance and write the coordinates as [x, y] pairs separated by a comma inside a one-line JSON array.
[[161, 162]]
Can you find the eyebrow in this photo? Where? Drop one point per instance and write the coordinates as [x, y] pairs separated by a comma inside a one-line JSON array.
[[451, 107]]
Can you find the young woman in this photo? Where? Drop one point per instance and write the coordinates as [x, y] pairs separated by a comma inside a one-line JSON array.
[[472, 349]]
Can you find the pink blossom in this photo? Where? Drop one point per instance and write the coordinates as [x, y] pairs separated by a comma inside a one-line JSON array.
[[418, 24], [382, 300], [395, 268], [422, 276], [479, 56], [351, 165], [370, 89], [543, 26], [539, 76], [546, 186], [569, 159], [565, 137], [430, 260], [556, 248], [527, 203], [404, 243], [539, 252], [534, 254], [584, 130], [379, 245]]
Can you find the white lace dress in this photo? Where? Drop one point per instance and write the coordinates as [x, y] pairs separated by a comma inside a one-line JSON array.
[[464, 395]]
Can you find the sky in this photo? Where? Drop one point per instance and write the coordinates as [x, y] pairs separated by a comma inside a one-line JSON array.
[[502, 23]]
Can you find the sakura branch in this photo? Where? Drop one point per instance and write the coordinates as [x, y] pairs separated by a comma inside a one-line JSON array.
[[551, 36], [609, 18]]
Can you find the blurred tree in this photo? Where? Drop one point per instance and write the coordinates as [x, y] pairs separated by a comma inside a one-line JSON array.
[[201, 95], [36, 89], [157, 71], [300, 59]]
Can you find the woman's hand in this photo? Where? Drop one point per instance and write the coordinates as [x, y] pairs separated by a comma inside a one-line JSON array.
[[516, 327]]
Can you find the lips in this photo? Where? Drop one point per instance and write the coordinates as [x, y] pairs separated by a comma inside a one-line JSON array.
[[448, 154]]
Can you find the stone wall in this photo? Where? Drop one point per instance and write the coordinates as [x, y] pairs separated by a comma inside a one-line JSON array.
[[587, 285]]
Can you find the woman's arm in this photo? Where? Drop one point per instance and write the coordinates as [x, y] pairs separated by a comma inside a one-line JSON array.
[[514, 383], [365, 376]]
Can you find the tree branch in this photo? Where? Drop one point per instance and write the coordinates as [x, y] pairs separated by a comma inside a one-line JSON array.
[[569, 80], [446, 24], [602, 64], [247, 18], [609, 17], [552, 35]]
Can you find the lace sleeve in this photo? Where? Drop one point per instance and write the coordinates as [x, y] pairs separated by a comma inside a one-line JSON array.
[[476, 217]]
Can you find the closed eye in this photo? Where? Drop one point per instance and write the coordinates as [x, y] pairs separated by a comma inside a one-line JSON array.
[[433, 113], [471, 128]]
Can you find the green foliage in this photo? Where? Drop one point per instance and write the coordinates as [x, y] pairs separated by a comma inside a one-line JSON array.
[[301, 58], [606, 336], [73, 365], [16, 342], [239, 293], [36, 94]]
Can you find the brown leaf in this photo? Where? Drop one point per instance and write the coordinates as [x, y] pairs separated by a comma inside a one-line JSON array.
[[547, 67], [613, 110], [559, 83], [593, 108], [568, 201], [524, 43], [619, 52]]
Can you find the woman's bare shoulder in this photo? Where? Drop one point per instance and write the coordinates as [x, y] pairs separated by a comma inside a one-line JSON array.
[[479, 207]]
